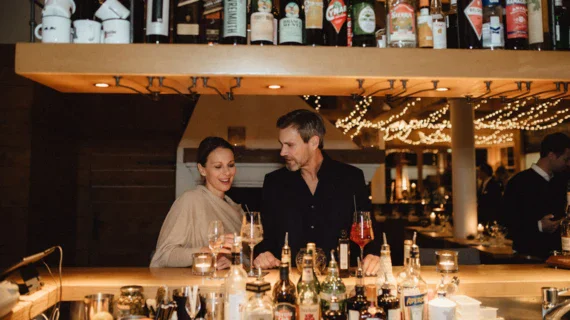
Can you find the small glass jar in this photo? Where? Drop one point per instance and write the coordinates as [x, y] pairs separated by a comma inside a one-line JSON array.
[[131, 301]]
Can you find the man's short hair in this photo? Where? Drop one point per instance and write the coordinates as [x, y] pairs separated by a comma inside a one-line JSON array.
[[556, 143], [306, 122], [486, 169]]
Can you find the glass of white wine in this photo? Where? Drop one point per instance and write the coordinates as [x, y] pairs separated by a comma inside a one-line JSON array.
[[252, 234], [216, 239]]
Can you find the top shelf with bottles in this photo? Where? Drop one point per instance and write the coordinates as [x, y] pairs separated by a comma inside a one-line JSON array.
[[298, 70]]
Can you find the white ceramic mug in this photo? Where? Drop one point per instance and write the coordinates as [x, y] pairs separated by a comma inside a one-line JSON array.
[[117, 31], [87, 31], [112, 9], [54, 29], [64, 8]]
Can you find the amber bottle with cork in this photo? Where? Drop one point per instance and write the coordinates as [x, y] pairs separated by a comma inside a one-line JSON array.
[[425, 26]]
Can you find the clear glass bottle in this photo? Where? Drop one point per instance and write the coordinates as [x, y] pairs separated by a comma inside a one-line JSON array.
[[235, 284], [413, 289], [358, 302], [439, 26], [307, 293], [425, 26], [386, 266], [334, 312], [389, 302], [259, 306], [565, 232], [286, 252], [332, 285], [284, 296], [402, 24]]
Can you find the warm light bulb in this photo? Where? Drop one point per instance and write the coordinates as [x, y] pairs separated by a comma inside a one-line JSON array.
[[102, 85], [274, 86], [442, 89]]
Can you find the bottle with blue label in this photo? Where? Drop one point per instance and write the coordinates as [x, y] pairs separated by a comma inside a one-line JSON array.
[[493, 30], [413, 289]]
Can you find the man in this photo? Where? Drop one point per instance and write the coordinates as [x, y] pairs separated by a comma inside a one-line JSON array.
[[313, 197], [488, 195], [534, 202]]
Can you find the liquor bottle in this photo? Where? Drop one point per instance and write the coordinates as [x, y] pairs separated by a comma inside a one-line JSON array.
[[425, 26], [389, 302], [312, 249], [438, 25], [335, 23], [517, 27], [363, 24], [386, 266], [358, 302], [187, 16], [234, 22], [284, 296], [286, 251], [157, 21], [565, 232], [441, 306], [493, 31], [335, 312], [259, 306], [235, 284], [262, 26], [535, 27], [211, 27], [413, 289], [291, 23], [314, 10], [561, 24], [332, 286], [349, 23], [344, 255], [402, 24], [275, 13], [452, 26], [470, 18], [308, 295]]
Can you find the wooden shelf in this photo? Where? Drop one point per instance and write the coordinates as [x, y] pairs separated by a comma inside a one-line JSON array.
[[300, 70]]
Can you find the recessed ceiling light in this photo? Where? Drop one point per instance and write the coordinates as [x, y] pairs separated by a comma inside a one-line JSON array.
[[102, 85], [274, 86], [442, 89]]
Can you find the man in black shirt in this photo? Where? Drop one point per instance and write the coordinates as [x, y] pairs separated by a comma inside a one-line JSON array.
[[313, 197], [534, 201], [488, 195]]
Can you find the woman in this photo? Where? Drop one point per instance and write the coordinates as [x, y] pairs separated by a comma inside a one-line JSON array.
[[185, 229]]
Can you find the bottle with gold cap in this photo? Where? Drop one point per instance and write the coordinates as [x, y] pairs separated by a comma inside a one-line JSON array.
[[286, 252]]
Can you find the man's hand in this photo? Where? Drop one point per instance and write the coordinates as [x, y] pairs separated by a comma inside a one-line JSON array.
[[371, 265], [223, 262], [549, 225], [266, 260]]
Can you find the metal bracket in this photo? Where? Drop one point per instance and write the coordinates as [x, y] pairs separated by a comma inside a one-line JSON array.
[[162, 85], [520, 96], [193, 94], [488, 87], [391, 87], [205, 84], [557, 85], [231, 93], [355, 96], [518, 89], [563, 94], [119, 85]]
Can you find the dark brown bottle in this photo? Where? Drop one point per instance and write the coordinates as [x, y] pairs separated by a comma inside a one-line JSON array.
[[187, 16], [470, 27], [344, 255], [334, 313], [335, 23], [389, 303], [452, 32], [158, 21], [363, 23], [285, 296], [358, 302], [516, 37]]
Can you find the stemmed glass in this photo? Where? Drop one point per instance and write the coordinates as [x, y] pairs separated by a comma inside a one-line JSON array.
[[252, 233], [216, 239], [361, 232], [192, 302]]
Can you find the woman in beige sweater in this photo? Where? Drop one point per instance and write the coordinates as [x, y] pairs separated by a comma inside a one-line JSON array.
[[185, 229]]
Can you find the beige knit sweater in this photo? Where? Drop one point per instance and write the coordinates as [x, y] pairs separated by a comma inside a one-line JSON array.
[[185, 229]]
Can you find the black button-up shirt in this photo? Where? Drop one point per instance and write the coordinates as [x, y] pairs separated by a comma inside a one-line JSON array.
[[289, 206]]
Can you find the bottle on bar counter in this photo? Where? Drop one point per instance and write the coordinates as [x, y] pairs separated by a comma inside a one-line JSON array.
[[438, 25], [344, 254], [412, 288], [517, 25], [335, 23], [291, 23], [386, 266], [157, 21], [307, 291], [285, 296], [234, 21], [470, 18], [388, 301], [332, 286], [187, 16], [401, 24], [425, 26], [312, 249], [286, 251], [452, 26], [565, 232], [259, 306], [334, 312], [358, 302], [363, 23], [261, 19], [314, 10], [235, 285]]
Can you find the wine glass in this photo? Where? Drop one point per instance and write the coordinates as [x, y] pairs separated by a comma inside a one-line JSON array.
[[361, 232], [216, 239], [192, 302], [252, 233]]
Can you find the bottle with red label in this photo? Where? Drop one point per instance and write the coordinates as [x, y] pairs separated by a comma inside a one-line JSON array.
[[402, 24], [335, 23], [470, 18], [517, 25]]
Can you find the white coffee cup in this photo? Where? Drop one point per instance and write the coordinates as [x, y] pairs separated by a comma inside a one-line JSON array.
[[87, 31], [64, 8], [112, 9], [117, 31], [54, 29]]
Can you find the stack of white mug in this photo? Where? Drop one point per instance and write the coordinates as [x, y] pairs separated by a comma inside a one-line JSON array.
[[116, 29], [56, 21]]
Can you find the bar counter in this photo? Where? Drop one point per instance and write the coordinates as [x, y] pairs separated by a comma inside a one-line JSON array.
[[476, 281]]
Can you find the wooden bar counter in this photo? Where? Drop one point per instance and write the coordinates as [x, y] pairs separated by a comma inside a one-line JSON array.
[[476, 281]]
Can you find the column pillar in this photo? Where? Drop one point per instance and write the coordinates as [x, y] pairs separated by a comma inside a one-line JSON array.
[[463, 168]]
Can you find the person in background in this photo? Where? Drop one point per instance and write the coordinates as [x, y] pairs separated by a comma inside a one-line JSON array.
[[534, 202], [502, 177], [488, 195], [313, 197], [185, 229]]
